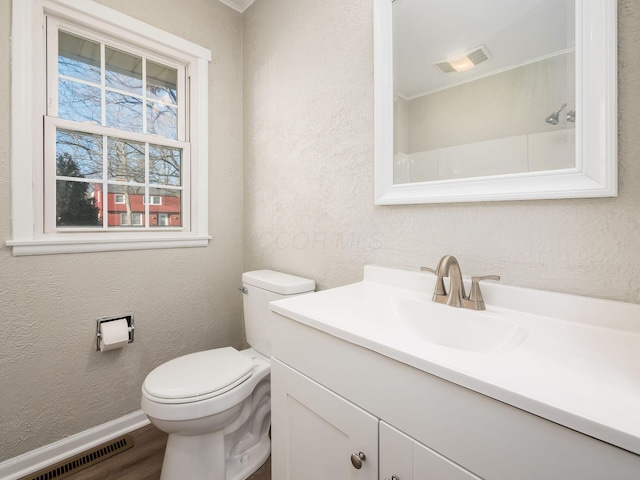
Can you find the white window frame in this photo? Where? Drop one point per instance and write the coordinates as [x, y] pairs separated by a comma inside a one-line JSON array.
[[116, 197], [29, 235]]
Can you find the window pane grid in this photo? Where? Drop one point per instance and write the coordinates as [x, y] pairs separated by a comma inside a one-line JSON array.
[[105, 174], [78, 80], [146, 171], [96, 182], [103, 84], [144, 106], [74, 179], [131, 184], [95, 129], [147, 100]]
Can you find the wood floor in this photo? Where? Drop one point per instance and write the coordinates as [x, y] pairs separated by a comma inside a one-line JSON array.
[[143, 461]]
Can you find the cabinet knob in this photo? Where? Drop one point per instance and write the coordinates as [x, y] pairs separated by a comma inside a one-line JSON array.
[[393, 477], [357, 459]]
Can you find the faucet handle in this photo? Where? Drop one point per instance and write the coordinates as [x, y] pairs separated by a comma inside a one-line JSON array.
[[485, 277], [475, 295], [439, 282]]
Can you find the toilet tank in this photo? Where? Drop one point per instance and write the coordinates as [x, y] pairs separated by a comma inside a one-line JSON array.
[[260, 288]]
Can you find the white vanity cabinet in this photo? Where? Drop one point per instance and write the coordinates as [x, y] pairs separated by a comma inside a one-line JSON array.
[[402, 458], [315, 432], [332, 398]]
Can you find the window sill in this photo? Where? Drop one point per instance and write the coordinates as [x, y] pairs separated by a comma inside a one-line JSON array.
[[58, 246]]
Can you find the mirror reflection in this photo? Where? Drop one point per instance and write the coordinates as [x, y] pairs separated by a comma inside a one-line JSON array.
[[482, 88]]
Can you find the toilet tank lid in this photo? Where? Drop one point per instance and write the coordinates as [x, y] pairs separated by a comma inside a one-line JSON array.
[[278, 282]]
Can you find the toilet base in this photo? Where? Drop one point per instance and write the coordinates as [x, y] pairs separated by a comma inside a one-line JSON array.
[[232, 452], [240, 468], [202, 457], [219, 438]]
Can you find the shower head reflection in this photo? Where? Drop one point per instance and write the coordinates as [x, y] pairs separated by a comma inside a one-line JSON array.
[[554, 118]]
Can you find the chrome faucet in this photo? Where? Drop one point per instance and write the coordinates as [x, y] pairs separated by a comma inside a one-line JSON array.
[[456, 296]]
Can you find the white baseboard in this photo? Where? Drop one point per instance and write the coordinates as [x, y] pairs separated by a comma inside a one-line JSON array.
[[42, 457]]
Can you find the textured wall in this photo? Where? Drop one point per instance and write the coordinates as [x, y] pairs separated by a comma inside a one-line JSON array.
[[308, 153], [52, 382]]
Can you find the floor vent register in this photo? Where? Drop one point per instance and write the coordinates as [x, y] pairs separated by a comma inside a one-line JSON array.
[[83, 460]]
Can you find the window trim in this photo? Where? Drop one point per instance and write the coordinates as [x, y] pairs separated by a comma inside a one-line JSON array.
[[27, 129]]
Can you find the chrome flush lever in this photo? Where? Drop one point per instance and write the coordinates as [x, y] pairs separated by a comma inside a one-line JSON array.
[[243, 290]]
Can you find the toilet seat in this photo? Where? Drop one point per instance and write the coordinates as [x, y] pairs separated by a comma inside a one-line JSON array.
[[197, 376]]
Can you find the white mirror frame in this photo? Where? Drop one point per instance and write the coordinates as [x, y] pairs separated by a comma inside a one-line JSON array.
[[596, 172]]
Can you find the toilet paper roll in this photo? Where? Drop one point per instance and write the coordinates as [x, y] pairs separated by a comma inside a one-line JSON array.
[[114, 334]]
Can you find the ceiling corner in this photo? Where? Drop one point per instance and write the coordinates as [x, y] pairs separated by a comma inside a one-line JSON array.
[[238, 5]]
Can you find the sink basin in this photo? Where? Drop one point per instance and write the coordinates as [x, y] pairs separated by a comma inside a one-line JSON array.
[[472, 331]]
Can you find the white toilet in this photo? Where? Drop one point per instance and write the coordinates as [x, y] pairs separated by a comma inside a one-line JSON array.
[[215, 405]]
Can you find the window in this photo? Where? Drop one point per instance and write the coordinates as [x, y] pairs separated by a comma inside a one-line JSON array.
[[123, 133], [154, 200], [163, 219], [131, 219], [117, 121]]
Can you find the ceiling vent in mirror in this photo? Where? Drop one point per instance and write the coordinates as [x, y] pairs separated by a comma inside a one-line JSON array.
[[463, 61]]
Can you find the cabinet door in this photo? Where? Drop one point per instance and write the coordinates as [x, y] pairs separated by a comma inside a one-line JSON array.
[[396, 454], [314, 431], [402, 458]]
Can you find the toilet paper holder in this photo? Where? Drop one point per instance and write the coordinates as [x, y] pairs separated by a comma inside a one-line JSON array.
[[128, 317]]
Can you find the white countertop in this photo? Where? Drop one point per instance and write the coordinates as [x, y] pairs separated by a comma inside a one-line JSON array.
[[579, 365]]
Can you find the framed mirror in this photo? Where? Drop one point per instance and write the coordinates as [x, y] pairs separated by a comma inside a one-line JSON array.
[[481, 100]]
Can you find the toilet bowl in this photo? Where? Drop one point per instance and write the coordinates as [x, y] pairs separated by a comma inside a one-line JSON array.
[[215, 404]]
